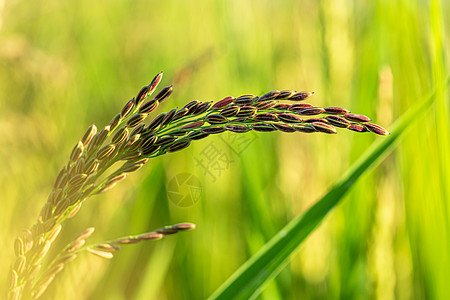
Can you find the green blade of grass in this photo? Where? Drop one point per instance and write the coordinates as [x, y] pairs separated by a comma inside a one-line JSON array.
[[249, 280]]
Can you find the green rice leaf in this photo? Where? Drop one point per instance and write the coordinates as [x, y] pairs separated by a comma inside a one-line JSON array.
[[249, 280]]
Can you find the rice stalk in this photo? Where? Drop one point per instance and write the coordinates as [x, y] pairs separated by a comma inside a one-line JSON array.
[[129, 140]]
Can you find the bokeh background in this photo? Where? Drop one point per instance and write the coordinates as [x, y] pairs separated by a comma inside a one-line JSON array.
[[67, 64]]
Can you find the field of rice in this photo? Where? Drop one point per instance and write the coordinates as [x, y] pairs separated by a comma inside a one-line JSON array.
[[65, 65]]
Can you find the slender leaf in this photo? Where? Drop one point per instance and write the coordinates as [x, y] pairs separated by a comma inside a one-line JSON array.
[[248, 281]]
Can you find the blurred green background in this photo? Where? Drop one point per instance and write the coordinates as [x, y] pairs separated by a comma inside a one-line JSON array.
[[67, 64]]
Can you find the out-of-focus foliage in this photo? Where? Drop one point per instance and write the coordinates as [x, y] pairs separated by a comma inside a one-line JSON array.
[[67, 64]]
